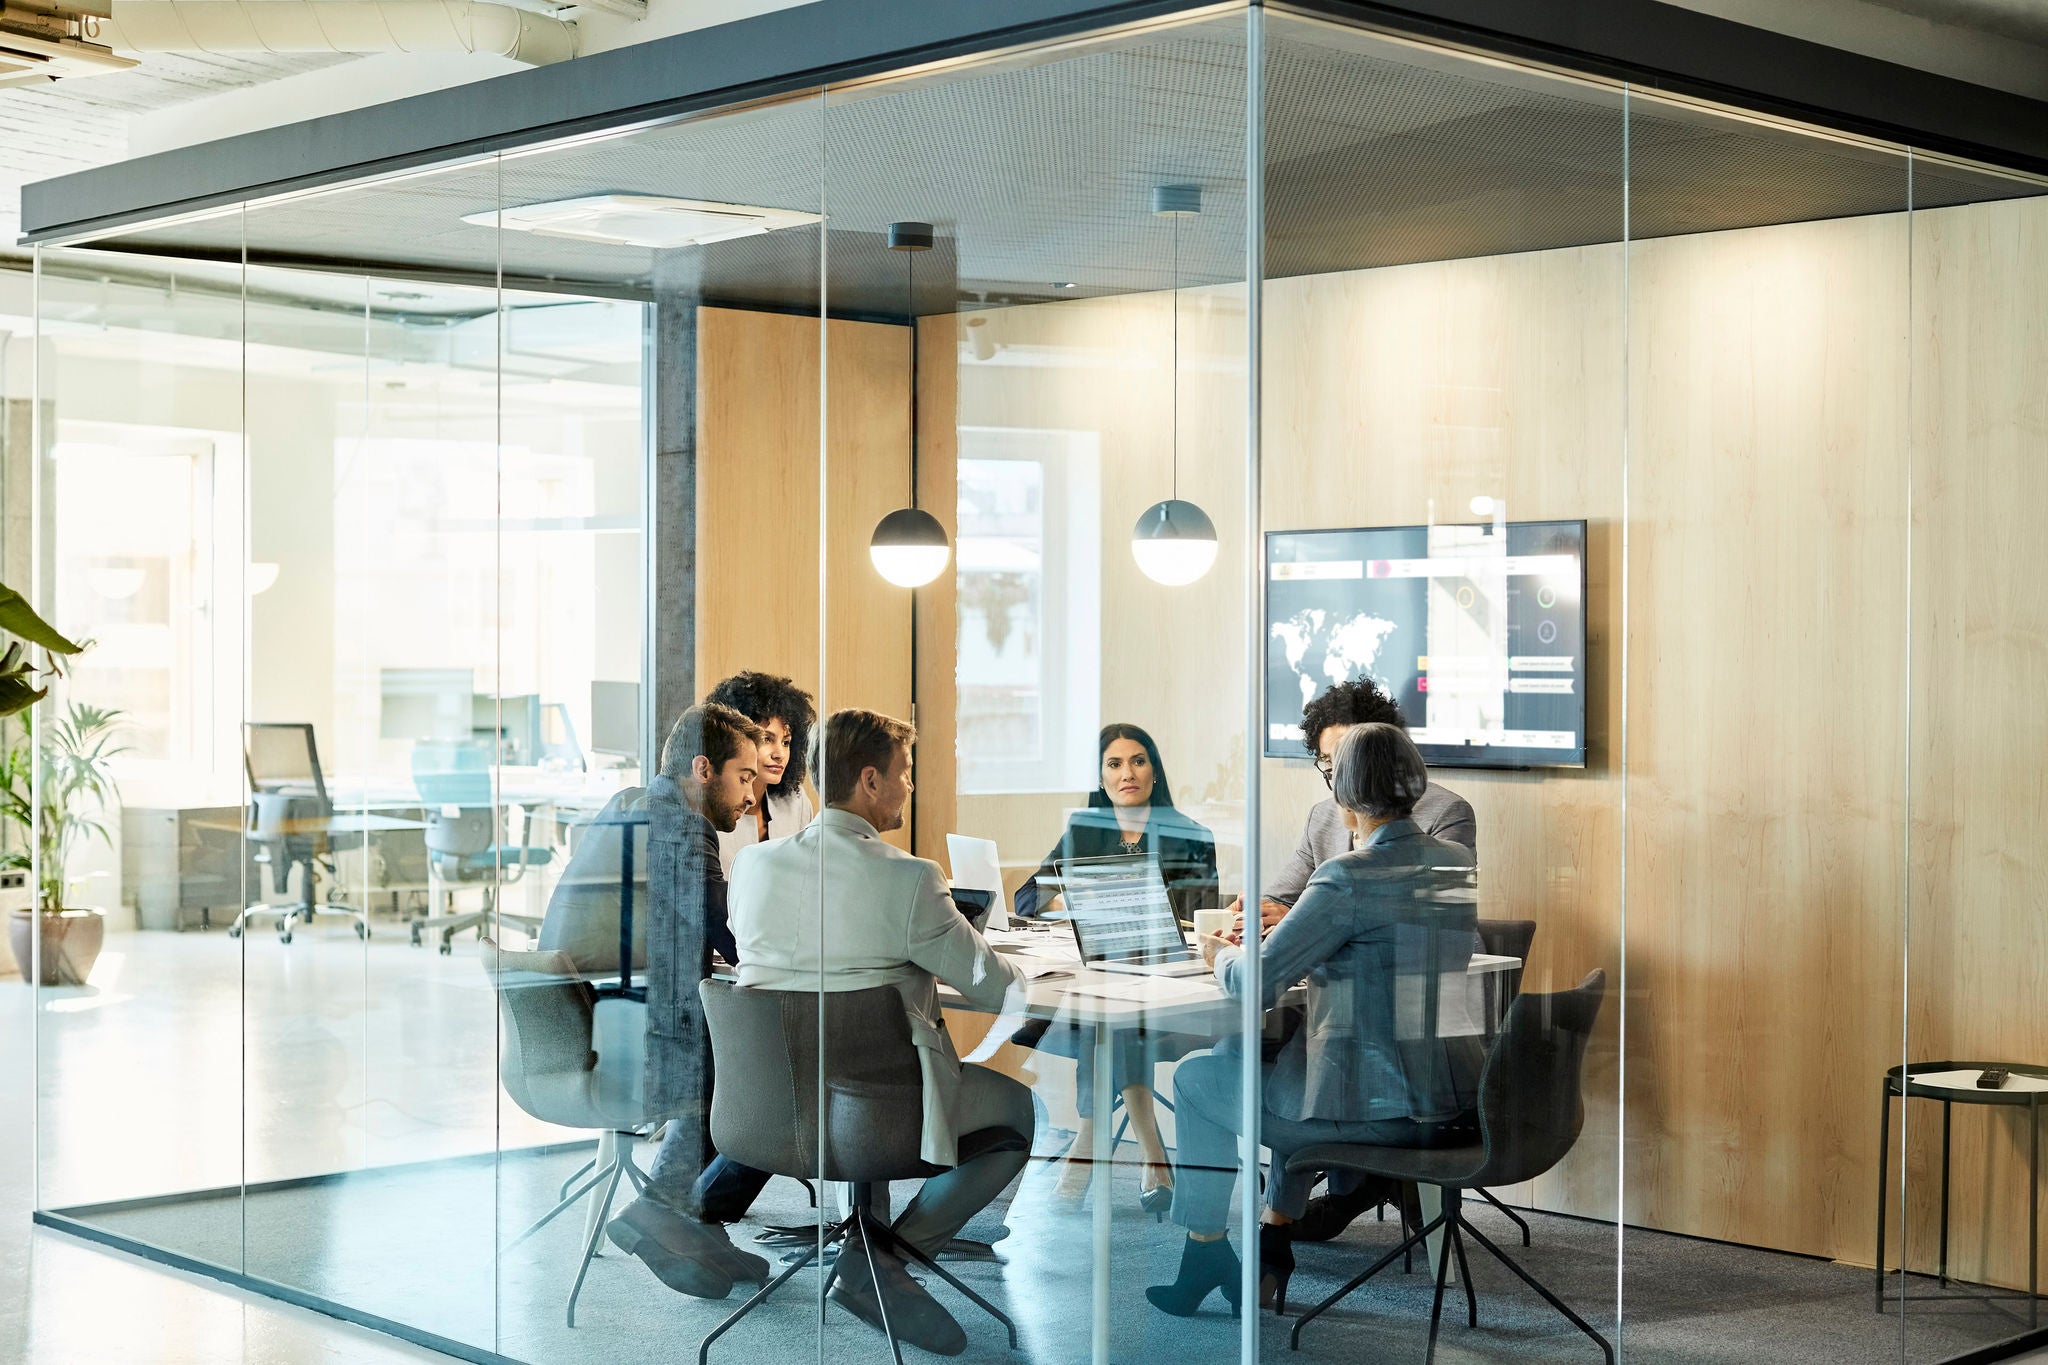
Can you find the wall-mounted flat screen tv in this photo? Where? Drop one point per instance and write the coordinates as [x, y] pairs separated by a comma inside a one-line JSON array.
[[1477, 631]]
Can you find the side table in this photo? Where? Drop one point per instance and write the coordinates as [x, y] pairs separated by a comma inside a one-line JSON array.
[[1953, 1083]]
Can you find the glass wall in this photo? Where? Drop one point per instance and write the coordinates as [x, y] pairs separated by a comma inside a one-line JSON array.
[[1297, 405]]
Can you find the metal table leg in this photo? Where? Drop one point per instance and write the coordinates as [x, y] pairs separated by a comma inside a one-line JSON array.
[[1947, 1111], [1884, 1159], [2033, 1211], [1099, 1185]]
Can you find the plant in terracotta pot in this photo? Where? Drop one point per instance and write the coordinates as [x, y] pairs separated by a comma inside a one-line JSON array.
[[69, 811]]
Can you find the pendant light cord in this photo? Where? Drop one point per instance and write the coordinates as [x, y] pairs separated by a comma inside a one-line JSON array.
[[910, 314], [1173, 425]]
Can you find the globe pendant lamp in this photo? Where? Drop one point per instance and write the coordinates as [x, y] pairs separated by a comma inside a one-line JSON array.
[[909, 547], [1174, 541]]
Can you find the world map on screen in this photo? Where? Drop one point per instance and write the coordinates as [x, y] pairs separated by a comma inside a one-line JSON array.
[[1325, 647]]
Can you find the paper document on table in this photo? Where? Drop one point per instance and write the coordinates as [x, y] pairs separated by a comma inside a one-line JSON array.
[[1145, 990]]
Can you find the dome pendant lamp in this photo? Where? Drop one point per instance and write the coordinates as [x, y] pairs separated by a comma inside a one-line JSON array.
[[909, 547], [1174, 541]]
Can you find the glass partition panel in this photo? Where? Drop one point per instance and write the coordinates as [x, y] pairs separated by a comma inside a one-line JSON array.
[[1765, 693], [670, 541], [1966, 1220], [1443, 489], [1051, 247], [140, 485], [375, 470]]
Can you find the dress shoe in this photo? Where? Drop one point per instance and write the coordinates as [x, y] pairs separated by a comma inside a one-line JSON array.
[[1329, 1214], [741, 1265], [917, 1316], [683, 1254]]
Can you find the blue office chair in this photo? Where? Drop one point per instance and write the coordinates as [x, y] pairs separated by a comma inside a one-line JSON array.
[[462, 838]]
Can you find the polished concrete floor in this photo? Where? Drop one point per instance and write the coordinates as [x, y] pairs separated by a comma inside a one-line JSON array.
[[65, 1301], [379, 1062]]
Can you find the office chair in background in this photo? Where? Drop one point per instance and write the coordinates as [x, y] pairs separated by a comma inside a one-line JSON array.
[[289, 816], [463, 847]]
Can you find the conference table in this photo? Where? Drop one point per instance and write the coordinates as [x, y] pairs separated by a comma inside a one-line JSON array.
[[1061, 989]]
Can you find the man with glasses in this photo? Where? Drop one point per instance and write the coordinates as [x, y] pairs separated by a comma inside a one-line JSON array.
[[1441, 813]]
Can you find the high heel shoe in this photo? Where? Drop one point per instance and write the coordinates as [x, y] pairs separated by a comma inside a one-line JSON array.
[[1156, 1199], [1203, 1266], [1276, 1265]]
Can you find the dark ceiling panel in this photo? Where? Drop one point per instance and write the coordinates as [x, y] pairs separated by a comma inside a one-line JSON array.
[[1038, 175]]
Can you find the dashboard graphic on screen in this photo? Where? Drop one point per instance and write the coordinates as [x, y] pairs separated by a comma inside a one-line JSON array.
[[1477, 631]]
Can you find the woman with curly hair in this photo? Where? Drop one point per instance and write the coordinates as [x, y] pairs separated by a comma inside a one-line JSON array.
[[786, 712]]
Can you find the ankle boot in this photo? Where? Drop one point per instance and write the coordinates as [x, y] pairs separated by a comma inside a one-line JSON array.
[[1203, 1266], [1276, 1265]]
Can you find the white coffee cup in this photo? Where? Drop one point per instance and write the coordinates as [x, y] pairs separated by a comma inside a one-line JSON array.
[[1213, 922]]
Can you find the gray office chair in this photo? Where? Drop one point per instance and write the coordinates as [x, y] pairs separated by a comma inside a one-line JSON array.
[[1530, 1114], [1504, 938], [873, 1120], [463, 847], [288, 811], [573, 1059]]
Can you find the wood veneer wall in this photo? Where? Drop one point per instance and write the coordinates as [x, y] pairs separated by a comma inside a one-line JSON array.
[[1767, 395], [758, 595]]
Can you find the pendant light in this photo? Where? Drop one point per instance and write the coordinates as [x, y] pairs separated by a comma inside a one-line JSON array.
[[909, 547], [1174, 541]]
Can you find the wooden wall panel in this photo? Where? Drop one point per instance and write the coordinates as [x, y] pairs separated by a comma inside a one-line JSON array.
[[758, 596], [1766, 760], [1395, 397], [1979, 809]]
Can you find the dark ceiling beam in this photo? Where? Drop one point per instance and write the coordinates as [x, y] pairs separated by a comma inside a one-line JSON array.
[[795, 49], [1681, 51]]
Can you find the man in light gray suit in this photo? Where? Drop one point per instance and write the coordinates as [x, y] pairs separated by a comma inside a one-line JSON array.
[[835, 902], [1440, 814]]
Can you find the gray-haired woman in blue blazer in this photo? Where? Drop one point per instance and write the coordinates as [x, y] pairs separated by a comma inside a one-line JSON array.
[[1379, 936]]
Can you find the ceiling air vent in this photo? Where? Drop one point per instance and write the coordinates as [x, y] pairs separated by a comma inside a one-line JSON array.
[[643, 220], [42, 43]]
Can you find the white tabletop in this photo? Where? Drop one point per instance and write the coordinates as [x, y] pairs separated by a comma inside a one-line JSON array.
[[1087, 996], [1967, 1080]]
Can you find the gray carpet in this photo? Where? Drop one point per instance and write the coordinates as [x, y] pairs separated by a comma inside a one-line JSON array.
[[416, 1245]]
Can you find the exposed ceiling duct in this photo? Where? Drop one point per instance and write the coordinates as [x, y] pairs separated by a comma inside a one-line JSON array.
[[352, 26]]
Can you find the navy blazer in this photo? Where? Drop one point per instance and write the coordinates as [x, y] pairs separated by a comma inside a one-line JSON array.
[[1378, 933], [1184, 848]]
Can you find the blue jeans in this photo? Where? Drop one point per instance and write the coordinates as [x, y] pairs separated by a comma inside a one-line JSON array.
[[1208, 1116], [720, 1191]]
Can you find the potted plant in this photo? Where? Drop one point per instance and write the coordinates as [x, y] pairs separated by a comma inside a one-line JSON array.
[[76, 938], [76, 787]]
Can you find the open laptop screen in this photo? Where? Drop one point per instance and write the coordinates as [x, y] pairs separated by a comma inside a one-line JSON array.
[[1119, 910]]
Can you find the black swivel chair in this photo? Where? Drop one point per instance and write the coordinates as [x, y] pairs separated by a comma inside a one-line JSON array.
[[1530, 1114], [873, 1121], [288, 813]]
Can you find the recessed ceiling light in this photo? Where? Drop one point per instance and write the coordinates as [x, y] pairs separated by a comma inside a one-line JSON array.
[[640, 220], [1063, 284]]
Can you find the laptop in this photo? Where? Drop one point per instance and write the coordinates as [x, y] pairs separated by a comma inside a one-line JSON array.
[[1123, 921], [976, 866], [973, 905]]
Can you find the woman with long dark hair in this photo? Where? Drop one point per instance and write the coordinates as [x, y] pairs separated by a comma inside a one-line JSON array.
[[786, 713], [1130, 813]]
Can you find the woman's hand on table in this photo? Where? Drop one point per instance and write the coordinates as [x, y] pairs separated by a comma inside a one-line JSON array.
[[1211, 945], [1271, 912]]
